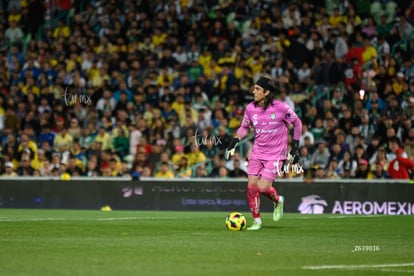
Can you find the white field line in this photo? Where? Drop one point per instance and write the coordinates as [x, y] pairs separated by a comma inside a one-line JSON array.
[[143, 218], [4, 219], [30, 219], [395, 270], [351, 267]]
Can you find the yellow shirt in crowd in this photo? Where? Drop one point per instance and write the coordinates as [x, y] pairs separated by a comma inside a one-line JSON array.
[[105, 140], [167, 174], [61, 31], [61, 140]]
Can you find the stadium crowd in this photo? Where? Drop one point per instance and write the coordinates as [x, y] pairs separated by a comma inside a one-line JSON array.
[[156, 88]]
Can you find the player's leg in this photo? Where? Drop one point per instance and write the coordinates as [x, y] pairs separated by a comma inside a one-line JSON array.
[[269, 174], [253, 195]]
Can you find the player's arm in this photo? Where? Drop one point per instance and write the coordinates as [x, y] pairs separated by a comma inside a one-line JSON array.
[[292, 118], [241, 132]]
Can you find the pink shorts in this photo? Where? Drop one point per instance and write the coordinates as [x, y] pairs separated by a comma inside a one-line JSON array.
[[266, 169]]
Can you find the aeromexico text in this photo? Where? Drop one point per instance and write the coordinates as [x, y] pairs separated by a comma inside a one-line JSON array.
[[373, 208]]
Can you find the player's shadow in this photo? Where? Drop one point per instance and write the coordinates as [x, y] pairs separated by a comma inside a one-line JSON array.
[[279, 227]]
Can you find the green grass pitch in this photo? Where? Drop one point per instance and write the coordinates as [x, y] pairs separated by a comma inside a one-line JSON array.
[[80, 242]]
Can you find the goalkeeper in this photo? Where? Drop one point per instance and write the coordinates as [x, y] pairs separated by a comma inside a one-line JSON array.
[[270, 119]]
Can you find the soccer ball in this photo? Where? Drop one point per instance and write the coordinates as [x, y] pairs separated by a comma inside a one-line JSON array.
[[236, 221]]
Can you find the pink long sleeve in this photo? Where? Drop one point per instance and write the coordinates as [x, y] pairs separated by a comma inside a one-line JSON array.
[[270, 129]]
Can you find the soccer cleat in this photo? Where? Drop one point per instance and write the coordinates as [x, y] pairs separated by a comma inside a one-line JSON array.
[[278, 211], [255, 226]]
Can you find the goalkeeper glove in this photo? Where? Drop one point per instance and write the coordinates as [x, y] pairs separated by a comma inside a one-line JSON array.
[[231, 148], [293, 156]]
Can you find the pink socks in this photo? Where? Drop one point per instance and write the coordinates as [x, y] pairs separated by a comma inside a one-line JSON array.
[[270, 193], [253, 198]]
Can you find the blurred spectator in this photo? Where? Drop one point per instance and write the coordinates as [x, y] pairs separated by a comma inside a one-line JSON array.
[[177, 155], [318, 172], [4, 43], [62, 140], [284, 97], [55, 172], [104, 138], [123, 90], [74, 129], [409, 144], [201, 171], [362, 170], [223, 172], [237, 170], [61, 31], [352, 137], [183, 169], [195, 156], [115, 167], [164, 171], [380, 157], [134, 138], [383, 48], [347, 166], [25, 168], [230, 164], [164, 158], [78, 152], [87, 137], [332, 172], [121, 143], [144, 146], [55, 164], [377, 171], [45, 168], [223, 137], [74, 166], [210, 149], [26, 146], [14, 33], [372, 146], [305, 161], [317, 129], [321, 155], [359, 153], [154, 156], [130, 66], [92, 168], [146, 172], [336, 152], [107, 102], [9, 170], [106, 171], [400, 167], [403, 26], [366, 128], [369, 28], [403, 129], [393, 144]]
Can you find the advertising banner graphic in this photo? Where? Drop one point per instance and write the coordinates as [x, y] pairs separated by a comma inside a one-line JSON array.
[[341, 197]]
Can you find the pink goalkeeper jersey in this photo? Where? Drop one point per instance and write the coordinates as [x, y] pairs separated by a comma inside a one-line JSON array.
[[270, 129]]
